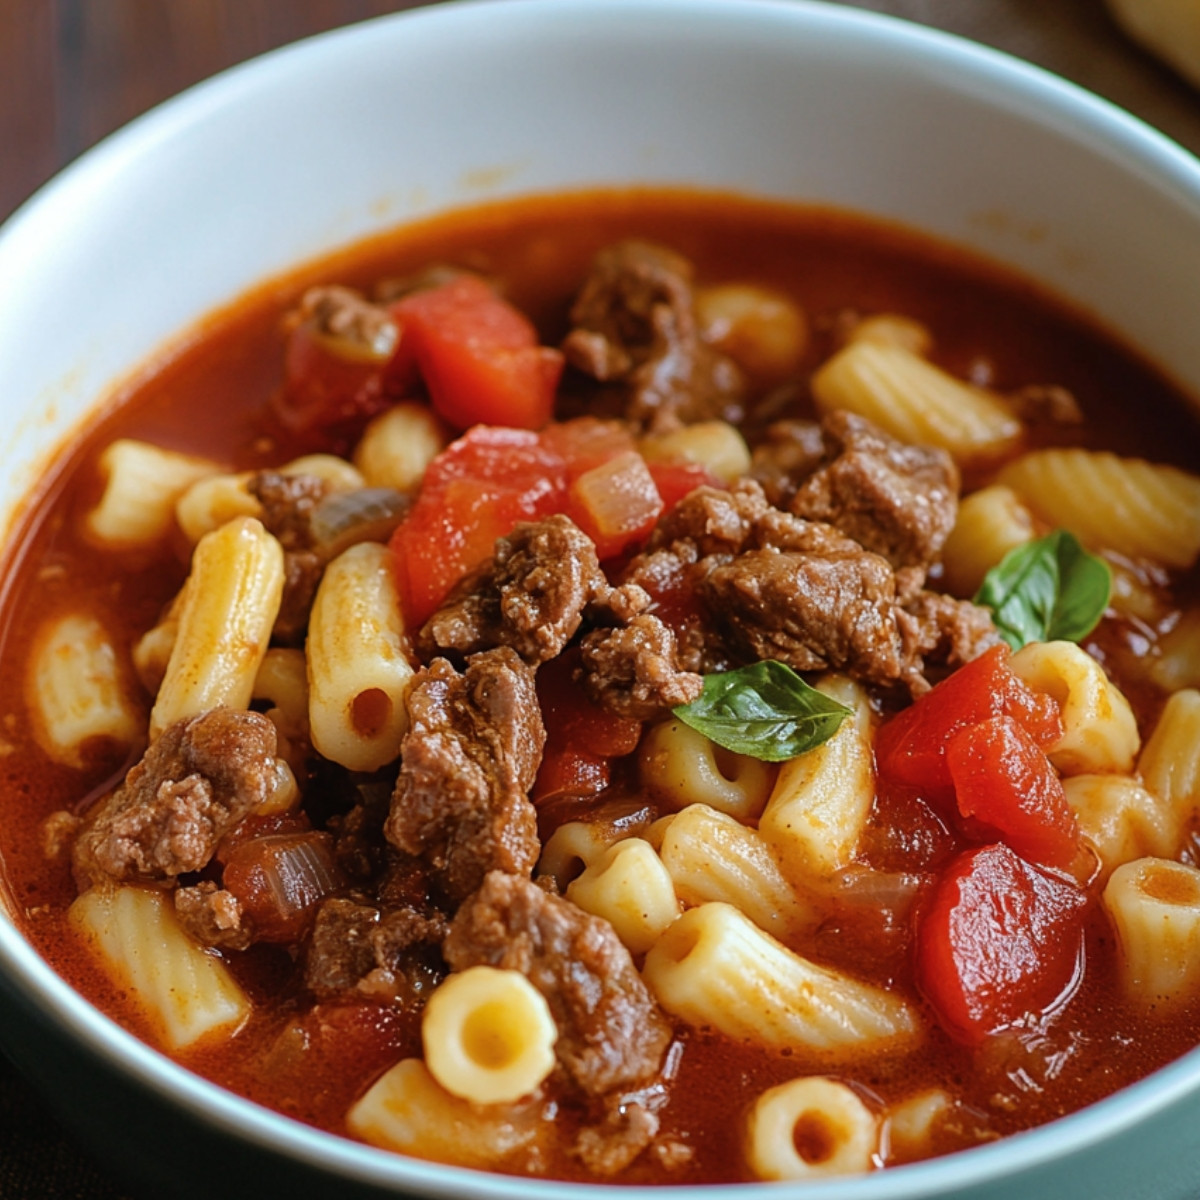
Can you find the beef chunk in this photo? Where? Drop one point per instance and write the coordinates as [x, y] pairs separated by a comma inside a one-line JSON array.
[[345, 316], [212, 916], [288, 502], [947, 630], [531, 596], [896, 500], [634, 670], [287, 505], [470, 756], [612, 1035], [812, 611], [789, 452], [358, 947], [634, 325], [770, 584], [200, 778]]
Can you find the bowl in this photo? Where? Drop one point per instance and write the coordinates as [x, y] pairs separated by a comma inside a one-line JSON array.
[[333, 139]]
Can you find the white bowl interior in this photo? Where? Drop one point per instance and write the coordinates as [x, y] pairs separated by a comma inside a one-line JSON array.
[[318, 145]]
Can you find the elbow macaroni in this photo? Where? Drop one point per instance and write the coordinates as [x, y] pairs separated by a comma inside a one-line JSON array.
[[142, 485], [811, 1128], [631, 889], [229, 606], [1099, 729], [711, 856], [715, 967], [682, 767], [821, 800], [488, 1035], [358, 668], [183, 993], [1154, 905], [914, 400], [78, 691], [1136, 508], [408, 1111]]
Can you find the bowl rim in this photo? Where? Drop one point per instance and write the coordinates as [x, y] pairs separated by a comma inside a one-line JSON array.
[[997, 76]]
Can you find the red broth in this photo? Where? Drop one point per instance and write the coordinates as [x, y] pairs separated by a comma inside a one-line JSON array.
[[211, 395]]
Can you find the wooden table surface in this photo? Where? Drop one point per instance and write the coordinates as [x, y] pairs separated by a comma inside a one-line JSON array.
[[72, 71]]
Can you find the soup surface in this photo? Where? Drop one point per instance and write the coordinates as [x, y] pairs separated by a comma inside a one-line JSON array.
[[710, 435]]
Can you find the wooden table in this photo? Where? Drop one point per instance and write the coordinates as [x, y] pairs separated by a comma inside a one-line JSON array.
[[72, 71]]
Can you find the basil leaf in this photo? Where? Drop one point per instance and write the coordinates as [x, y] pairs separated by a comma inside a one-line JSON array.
[[1047, 590], [764, 710]]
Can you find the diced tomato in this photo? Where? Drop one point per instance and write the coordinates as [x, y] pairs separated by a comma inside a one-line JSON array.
[[328, 396], [570, 772], [474, 492], [1000, 939], [675, 480], [1003, 779], [910, 749], [615, 504], [581, 737], [479, 356], [587, 442]]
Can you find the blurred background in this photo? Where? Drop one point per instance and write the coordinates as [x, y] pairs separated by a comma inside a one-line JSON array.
[[72, 71]]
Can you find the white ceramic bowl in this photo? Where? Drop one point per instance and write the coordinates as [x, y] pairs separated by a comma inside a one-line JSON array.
[[317, 145]]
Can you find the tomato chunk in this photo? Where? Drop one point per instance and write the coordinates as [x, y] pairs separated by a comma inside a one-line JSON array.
[[1003, 779], [329, 394], [479, 356], [581, 737], [676, 480], [474, 492], [911, 748], [1001, 939]]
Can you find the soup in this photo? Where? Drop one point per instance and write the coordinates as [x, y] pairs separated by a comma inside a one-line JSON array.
[[644, 687]]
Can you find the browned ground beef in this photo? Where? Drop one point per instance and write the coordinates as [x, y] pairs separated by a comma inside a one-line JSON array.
[[634, 326], [470, 757], [896, 500], [200, 778], [288, 502], [530, 596]]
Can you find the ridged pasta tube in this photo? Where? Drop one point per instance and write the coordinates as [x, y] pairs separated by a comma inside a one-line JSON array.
[[1100, 732], [715, 967], [209, 502], [762, 330], [78, 691], [631, 889], [230, 602], [398, 445], [1170, 760], [142, 484], [810, 1128], [488, 1035], [1178, 663], [184, 993], [990, 523], [716, 445], [406, 1110], [914, 400], [712, 856], [358, 667], [1120, 819], [1154, 904], [821, 800], [1137, 508]]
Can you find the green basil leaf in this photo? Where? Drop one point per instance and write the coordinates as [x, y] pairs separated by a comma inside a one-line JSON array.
[[1047, 590], [764, 710]]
